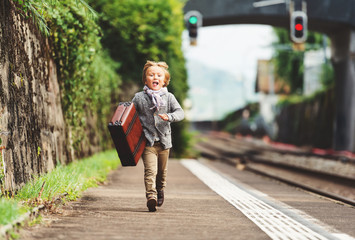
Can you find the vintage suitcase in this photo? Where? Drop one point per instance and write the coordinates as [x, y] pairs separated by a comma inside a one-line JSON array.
[[127, 134]]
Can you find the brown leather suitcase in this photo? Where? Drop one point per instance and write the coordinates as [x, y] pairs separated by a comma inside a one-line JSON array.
[[127, 134]]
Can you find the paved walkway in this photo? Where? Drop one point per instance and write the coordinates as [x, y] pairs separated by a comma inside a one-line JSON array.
[[193, 211], [118, 211]]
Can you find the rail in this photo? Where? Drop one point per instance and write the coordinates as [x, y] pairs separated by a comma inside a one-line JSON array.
[[332, 176]]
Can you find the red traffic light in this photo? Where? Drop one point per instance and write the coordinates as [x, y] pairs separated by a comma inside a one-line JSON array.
[[299, 27]]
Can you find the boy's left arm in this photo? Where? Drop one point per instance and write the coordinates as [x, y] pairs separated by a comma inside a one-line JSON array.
[[175, 113]]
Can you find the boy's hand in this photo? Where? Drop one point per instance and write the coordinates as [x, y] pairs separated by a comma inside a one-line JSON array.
[[164, 117]]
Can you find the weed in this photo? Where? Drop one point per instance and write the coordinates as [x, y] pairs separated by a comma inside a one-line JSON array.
[[10, 210], [64, 183], [35, 221]]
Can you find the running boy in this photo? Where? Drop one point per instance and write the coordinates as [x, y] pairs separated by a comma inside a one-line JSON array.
[[156, 108]]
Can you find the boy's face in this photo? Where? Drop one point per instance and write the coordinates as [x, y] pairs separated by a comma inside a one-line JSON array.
[[155, 78]]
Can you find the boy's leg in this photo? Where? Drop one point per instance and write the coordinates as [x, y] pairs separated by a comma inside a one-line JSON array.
[[163, 156], [150, 160]]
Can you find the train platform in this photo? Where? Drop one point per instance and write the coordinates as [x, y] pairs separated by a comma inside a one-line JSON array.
[[203, 200]]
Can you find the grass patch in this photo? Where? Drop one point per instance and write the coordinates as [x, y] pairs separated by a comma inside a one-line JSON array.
[[10, 210], [70, 180]]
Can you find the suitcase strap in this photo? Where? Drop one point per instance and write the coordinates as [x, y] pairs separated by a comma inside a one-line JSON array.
[[138, 145], [130, 126]]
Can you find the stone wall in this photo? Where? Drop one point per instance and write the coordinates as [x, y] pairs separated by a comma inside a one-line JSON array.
[[32, 128]]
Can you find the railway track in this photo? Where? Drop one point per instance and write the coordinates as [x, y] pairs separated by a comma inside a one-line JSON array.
[[329, 176]]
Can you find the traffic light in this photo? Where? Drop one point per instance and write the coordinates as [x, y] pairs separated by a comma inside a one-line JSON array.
[[298, 26], [193, 22], [192, 26]]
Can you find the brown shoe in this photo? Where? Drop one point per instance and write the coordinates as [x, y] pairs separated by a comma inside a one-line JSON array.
[[151, 204], [160, 198]]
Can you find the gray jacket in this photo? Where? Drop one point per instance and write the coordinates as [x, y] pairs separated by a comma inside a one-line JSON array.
[[153, 126]]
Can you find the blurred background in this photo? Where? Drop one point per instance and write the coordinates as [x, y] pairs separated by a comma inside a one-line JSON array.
[[232, 70], [289, 80], [277, 70]]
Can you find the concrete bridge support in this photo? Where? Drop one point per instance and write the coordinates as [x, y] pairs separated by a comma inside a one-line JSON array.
[[344, 68]]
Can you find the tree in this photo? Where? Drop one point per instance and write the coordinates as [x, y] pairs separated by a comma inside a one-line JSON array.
[[135, 31]]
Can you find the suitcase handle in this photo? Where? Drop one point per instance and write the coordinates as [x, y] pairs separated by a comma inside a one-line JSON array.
[[123, 116], [126, 104]]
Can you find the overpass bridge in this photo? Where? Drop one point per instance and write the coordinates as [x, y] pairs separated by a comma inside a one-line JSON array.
[[335, 18]]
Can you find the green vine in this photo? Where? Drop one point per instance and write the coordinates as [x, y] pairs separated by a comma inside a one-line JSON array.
[[36, 9], [77, 51], [131, 31], [87, 75], [141, 30]]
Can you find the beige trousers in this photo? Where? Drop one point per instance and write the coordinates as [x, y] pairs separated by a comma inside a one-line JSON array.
[[155, 161]]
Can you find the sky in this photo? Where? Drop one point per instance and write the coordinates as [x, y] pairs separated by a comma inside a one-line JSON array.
[[233, 49]]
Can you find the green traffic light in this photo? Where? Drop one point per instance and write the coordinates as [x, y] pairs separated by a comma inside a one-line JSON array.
[[193, 20]]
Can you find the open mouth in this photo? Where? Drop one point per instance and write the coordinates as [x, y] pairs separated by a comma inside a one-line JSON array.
[[155, 84]]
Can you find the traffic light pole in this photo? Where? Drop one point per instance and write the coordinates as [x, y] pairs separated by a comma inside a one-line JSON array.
[[344, 69], [298, 19]]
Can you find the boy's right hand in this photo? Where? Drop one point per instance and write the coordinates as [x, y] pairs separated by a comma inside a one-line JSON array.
[[164, 117]]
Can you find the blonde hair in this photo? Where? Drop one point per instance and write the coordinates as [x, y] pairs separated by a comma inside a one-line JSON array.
[[162, 65]]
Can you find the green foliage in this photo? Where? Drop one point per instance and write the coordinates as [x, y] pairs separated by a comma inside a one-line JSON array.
[[10, 210], [36, 9], [141, 30], [327, 80], [327, 76], [106, 82], [2, 173], [135, 31], [282, 35], [304, 120], [138, 30], [289, 63], [132, 32], [289, 66], [75, 42], [86, 73], [314, 40], [72, 179]]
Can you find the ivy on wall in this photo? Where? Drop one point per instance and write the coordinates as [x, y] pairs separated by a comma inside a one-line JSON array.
[[93, 48], [87, 75]]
